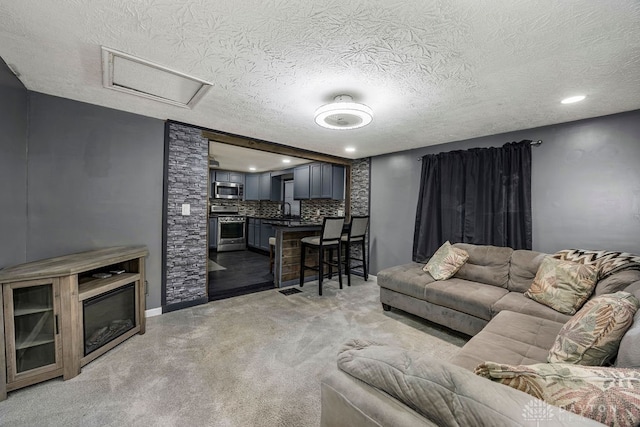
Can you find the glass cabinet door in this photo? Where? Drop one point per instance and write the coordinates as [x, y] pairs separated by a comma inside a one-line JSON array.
[[32, 327]]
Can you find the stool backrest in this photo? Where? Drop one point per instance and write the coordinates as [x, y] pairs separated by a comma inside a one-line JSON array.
[[332, 228], [359, 226]]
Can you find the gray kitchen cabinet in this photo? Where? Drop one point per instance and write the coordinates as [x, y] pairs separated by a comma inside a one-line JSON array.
[[252, 226], [237, 177], [266, 231], [252, 187], [222, 176], [229, 176], [326, 181], [315, 181], [258, 234], [301, 182], [265, 186], [318, 181], [213, 232], [276, 189]]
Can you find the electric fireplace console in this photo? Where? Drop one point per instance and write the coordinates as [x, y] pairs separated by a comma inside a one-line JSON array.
[[58, 314]]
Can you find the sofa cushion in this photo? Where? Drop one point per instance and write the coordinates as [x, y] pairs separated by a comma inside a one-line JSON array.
[[444, 394], [408, 279], [562, 285], [628, 354], [515, 301], [593, 335], [468, 297], [608, 395], [446, 261], [511, 338], [616, 282], [486, 264], [523, 268]]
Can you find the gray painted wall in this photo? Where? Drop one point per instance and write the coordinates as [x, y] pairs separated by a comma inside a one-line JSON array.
[[13, 168], [95, 180], [585, 188]]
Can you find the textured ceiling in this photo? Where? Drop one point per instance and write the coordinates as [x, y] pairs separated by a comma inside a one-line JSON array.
[[432, 71]]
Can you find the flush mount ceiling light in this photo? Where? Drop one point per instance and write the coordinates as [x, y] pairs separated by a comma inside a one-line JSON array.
[[343, 113], [136, 76], [573, 99]]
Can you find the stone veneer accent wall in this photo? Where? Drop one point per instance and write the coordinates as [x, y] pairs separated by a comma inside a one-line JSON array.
[[360, 186], [360, 193], [186, 236]]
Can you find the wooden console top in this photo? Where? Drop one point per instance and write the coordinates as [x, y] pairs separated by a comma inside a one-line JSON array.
[[71, 264]]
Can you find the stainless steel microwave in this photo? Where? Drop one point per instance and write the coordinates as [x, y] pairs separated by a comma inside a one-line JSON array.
[[227, 190]]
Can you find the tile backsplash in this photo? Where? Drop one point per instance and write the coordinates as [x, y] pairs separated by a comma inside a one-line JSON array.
[[308, 208]]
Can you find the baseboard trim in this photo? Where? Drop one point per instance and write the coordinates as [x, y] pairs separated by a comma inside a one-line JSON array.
[[152, 312], [184, 304]]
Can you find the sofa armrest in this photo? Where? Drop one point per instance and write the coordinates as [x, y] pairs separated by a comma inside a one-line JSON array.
[[445, 394], [347, 401]]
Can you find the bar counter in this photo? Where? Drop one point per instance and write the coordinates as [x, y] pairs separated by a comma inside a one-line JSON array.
[[286, 268]]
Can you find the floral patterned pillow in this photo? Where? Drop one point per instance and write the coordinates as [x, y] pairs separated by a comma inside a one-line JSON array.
[[563, 285], [593, 335], [608, 395], [446, 261]]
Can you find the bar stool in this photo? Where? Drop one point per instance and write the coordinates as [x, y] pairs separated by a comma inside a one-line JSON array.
[[272, 247], [357, 233], [329, 239]]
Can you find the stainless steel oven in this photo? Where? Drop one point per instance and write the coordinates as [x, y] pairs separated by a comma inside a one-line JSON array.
[[227, 190], [231, 233]]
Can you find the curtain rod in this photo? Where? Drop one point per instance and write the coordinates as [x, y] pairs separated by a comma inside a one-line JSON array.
[[534, 143]]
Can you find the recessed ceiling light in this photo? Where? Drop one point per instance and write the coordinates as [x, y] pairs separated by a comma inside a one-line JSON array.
[[350, 149], [573, 99], [252, 168], [286, 160]]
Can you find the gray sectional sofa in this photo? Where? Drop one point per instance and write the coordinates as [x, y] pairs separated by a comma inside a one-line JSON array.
[[484, 299]]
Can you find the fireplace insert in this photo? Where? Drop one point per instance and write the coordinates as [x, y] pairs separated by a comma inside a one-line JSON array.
[[108, 316]]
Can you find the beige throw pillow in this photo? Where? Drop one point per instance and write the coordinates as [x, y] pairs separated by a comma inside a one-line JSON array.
[[593, 335], [608, 395], [446, 262], [562, 285]]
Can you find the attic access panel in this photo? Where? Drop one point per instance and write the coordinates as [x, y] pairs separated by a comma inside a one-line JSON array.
[[136, 76]]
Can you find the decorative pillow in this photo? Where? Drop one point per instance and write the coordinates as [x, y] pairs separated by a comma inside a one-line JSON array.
[[562, 285], [593, 335], [608, 395], [446, 261]]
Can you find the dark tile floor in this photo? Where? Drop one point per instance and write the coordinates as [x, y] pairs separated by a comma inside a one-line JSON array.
[[246, 272]]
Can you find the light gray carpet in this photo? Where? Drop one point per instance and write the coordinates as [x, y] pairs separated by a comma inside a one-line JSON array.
[[254, 360]]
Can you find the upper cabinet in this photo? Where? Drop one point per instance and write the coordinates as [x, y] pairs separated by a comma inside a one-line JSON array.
[[262, 186], [301, 182], [265, 186], [252, 187], [318, 181], [228, 176]]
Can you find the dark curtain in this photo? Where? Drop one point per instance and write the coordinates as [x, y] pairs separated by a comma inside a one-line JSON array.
[[480, 196]]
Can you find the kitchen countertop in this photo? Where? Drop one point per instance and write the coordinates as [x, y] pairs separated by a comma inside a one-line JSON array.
[[286, 223]]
